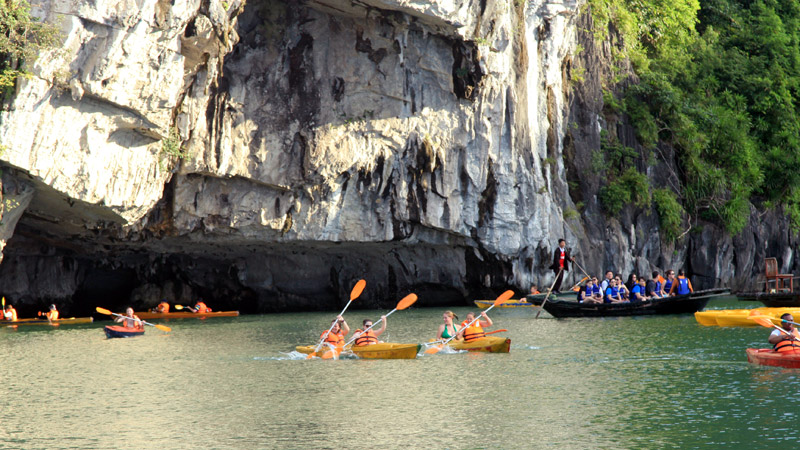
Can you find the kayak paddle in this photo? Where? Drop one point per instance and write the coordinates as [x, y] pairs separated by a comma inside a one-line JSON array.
[[500, 300], [109, 313], [357, 290], [501, 330], [541, 307]]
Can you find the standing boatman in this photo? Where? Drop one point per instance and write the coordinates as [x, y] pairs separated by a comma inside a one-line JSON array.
[[561, 259]]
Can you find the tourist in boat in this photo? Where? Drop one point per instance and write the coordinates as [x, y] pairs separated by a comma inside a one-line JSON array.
[[129, 320], [632, 282], [364, 337], [449, 328], [10, 313], [162, 307], [612, 294], [597, 293], [624, 293], [337, 333], [587, 294], [606, 281], [535, 290], [474, 331], [681, 285], [200, 307], [654, 288], [786, 340], [561, 259], [669, 281], [51, 315], [638, 293]]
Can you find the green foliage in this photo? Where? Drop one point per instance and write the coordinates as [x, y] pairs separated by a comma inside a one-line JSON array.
[[632, 187], [721, 85], [571, 214], [22, 38], [670, 213], [171, 145]]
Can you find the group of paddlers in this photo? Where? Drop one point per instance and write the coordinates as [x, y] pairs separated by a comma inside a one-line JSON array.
[[469, 330]]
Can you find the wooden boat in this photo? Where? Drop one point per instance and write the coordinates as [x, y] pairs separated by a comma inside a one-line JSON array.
[[772, 300], [769, 357], [385, 350], [488, 344], [39, 321], [145, 315], [116, 331], [679, 304]]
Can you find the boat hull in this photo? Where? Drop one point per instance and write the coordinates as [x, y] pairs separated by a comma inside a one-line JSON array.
[[777, 300], [680, 304], [116, 331], [768, 357], [385, 350], [37, 321], [145, 315], [488, 344]]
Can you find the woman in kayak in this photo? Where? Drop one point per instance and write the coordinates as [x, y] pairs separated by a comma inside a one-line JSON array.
[[338, 332], [52, 314], [474, 331], [369, 337], [448, 329], [130, 320]]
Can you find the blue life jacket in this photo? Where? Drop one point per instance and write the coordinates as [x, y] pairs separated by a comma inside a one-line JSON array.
[[667, 286], [636, 289], [595, 289], [607, 297], [683, 286], [658, 286]]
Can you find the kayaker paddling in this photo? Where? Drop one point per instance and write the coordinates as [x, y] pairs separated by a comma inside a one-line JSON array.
[[162, 307], [472, 329], [51, 315], [787, 339], [448, 329], [335, 336], [368, 336], [129, 320], [10, 313], [200, 307]]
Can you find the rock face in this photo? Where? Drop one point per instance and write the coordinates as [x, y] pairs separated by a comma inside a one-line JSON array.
[[267, 155]]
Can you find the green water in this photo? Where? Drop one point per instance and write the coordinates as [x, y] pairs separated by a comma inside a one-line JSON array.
[[233, 383]]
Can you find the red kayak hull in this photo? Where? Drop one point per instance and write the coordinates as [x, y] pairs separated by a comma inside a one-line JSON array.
[[116, 331], [769, 357]]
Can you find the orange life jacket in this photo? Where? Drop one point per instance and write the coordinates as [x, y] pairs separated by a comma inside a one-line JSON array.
[[473, 332], [129, 322], [163, 307], [336, 339], [52, 314], [202, 308], [13, 314], [366, 338], [787, 344]]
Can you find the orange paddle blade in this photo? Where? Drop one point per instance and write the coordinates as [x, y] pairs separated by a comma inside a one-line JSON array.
[[503, 297], [103, 311], [332, 353], [434, 349], [765, 321], [407, 301], [163, 327], [358, 289]]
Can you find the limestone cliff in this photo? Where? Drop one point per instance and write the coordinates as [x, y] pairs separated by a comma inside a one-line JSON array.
[[266, 155]]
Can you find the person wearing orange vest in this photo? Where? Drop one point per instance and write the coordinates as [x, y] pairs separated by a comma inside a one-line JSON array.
[[10, 313], [535, 290], [474, 331], [787, 339], [162, 307], [52, 314], [200, 307], [369, 337], [337, 333], [129, 320]]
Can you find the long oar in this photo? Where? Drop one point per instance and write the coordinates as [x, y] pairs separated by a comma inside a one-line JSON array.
[[500, 300], [579, 267], [109, 313], [407, 301], [578, 284], [357, 290], [548, 294]]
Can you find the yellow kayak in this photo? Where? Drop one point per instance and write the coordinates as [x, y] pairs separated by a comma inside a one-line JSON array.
[[147, 315], [488, 344], [386, 350], [512, 303], [740, 317], [38, 321]]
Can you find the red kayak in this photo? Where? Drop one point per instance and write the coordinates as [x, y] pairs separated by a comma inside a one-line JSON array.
[[769, 357], [116, 331]]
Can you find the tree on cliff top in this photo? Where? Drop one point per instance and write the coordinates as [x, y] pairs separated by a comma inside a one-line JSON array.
[[22, 37]]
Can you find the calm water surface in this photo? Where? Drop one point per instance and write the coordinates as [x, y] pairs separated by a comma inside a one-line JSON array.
[[633, 383]]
